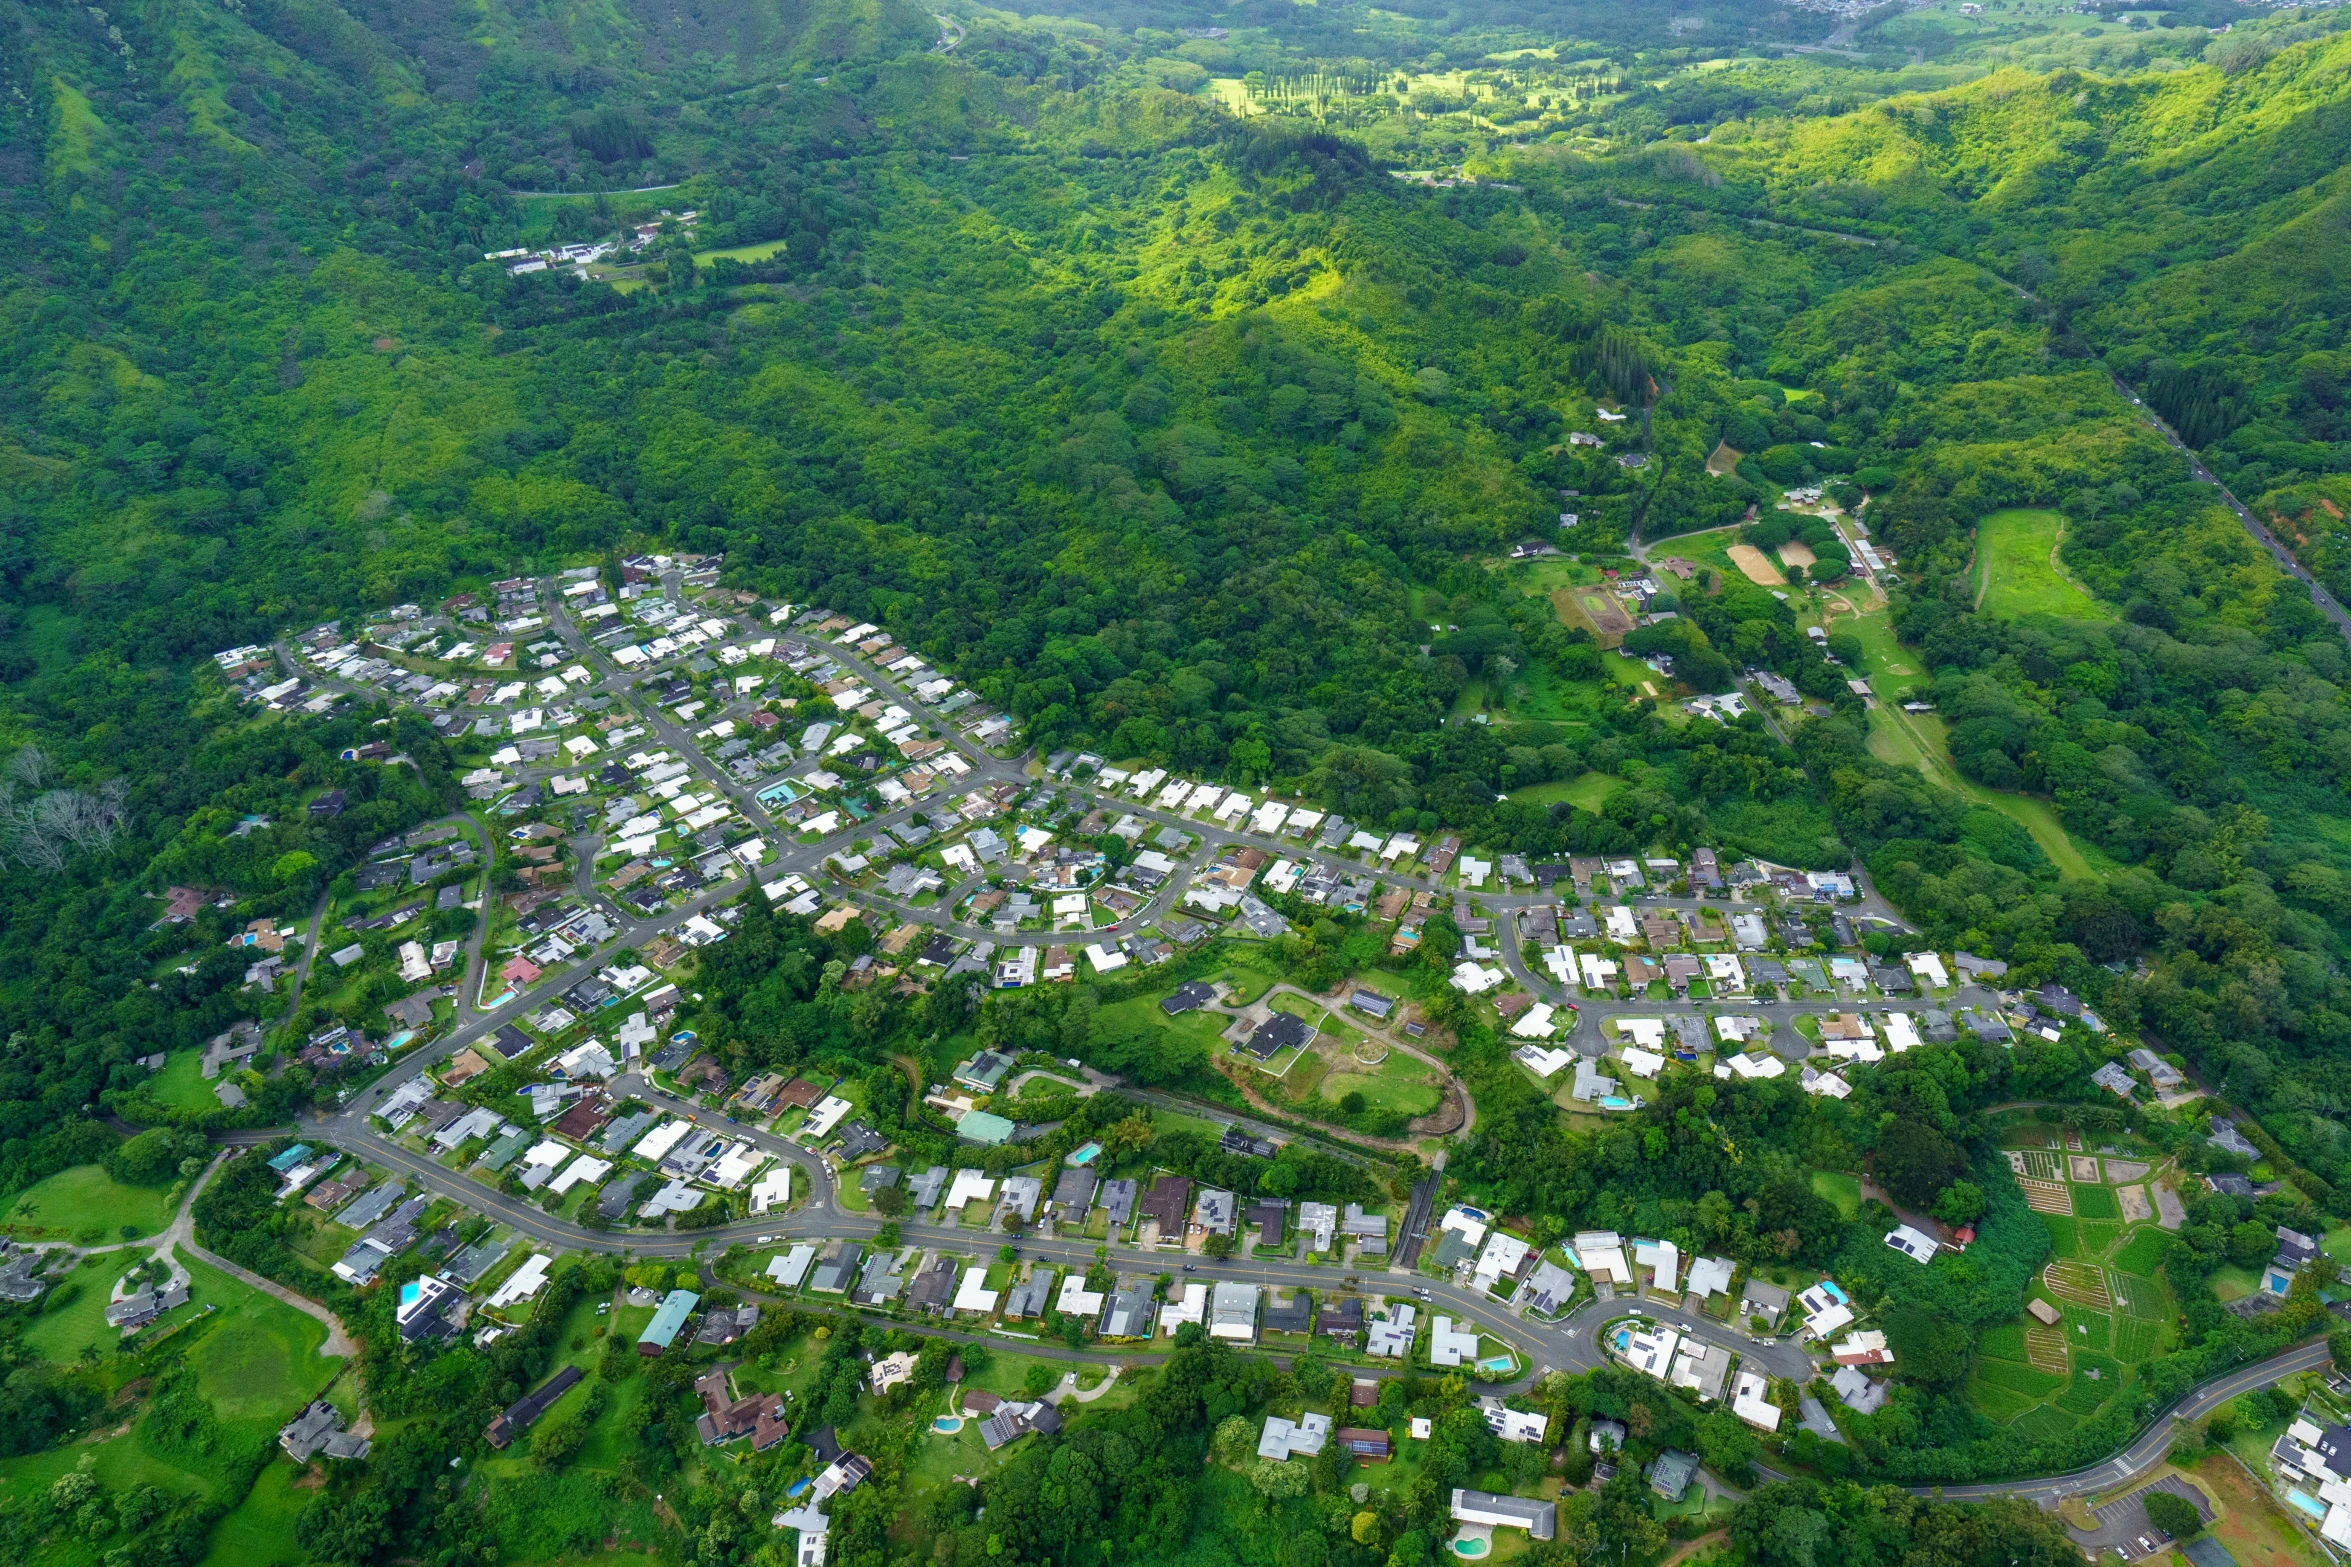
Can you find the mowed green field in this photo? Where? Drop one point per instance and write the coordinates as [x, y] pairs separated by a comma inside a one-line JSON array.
[[2016, 573], [85, 1198], [1399, 1083]]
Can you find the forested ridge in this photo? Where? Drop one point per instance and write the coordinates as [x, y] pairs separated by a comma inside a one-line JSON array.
[[1179, 379]]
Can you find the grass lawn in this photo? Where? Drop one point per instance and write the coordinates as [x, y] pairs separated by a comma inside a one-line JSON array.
[[1842, 1192], [181, 1083], [261, 1361], [2017, 571], [59, 1335], [85, 1198], [1399, 1083], [1891, 669], [1584, 793], [260, 1531]]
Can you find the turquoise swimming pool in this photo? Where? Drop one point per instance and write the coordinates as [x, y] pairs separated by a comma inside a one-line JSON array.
[[2309, 1504], [947, 1423]]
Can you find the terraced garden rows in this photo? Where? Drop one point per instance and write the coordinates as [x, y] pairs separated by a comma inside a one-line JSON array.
[[2042, 1380]]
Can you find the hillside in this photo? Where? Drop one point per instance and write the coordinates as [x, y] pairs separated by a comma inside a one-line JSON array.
[[1290, 397]]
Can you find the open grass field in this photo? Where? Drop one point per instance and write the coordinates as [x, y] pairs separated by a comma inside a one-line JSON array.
[[2018, 1378], [2017, 572], [261, 1360], [1585, 792], [1890, 668], [2098, 1234], [2065, 1236], [85, 1200], [1841, 1192], [259, 1531], [1399, 1083]]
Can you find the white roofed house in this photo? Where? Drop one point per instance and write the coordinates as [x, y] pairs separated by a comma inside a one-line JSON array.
[[1664, 1262], [1232, 1312], [1911, 1243], [1751, 1402], [1710, 1276]]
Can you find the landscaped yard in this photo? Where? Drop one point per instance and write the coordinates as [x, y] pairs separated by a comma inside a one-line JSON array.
[[182, 1085]]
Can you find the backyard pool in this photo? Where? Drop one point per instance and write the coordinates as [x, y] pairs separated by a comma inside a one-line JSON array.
[[1498, 1366], [1615, 1102], [798, 1486], [948, 1423], [2309, 1504]]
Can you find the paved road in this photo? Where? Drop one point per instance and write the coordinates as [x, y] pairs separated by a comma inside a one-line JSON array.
[[2325, 601]]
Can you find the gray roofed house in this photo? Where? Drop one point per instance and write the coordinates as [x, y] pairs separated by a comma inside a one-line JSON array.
[[468, 1266], [1217, 1212], [1073, 1194], [1131, 1312], [1294, 1315], [1670, 1475], [1279, 1032], [20, 1276], [318, 1431], [1031, 1296], [1118, 1201], [1368, 1230], [880, 1283], [874, 1177], [934, 1286], [927, 1188], [1538, 1519], [2115, 1078], [374, 1205], [1188, 997], [1761, 1299], [1548, 1288], [1341, 1315], [836, 1266], [1987, 1026], [1020, 1195], [613, 1201], [1936, 1027], [1271, 1216]]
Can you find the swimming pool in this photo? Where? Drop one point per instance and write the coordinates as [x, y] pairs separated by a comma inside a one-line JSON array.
[[1498, 1366], [1622, 1338], [1472, 1549], [1615, 1102], [2309, 1504], [948, 1423], [798, 1486]]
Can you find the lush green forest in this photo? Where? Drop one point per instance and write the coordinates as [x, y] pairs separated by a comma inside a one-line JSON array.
[[1180, 378]]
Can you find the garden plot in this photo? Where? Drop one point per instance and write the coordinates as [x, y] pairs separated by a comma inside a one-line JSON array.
[[2046, 1196], [2136, 1340], [2045, 1349], [2136, 1297], [2120, 1170], [2084, 1169], [2037, 1164], [2135, 1206], [2079, 1284]]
